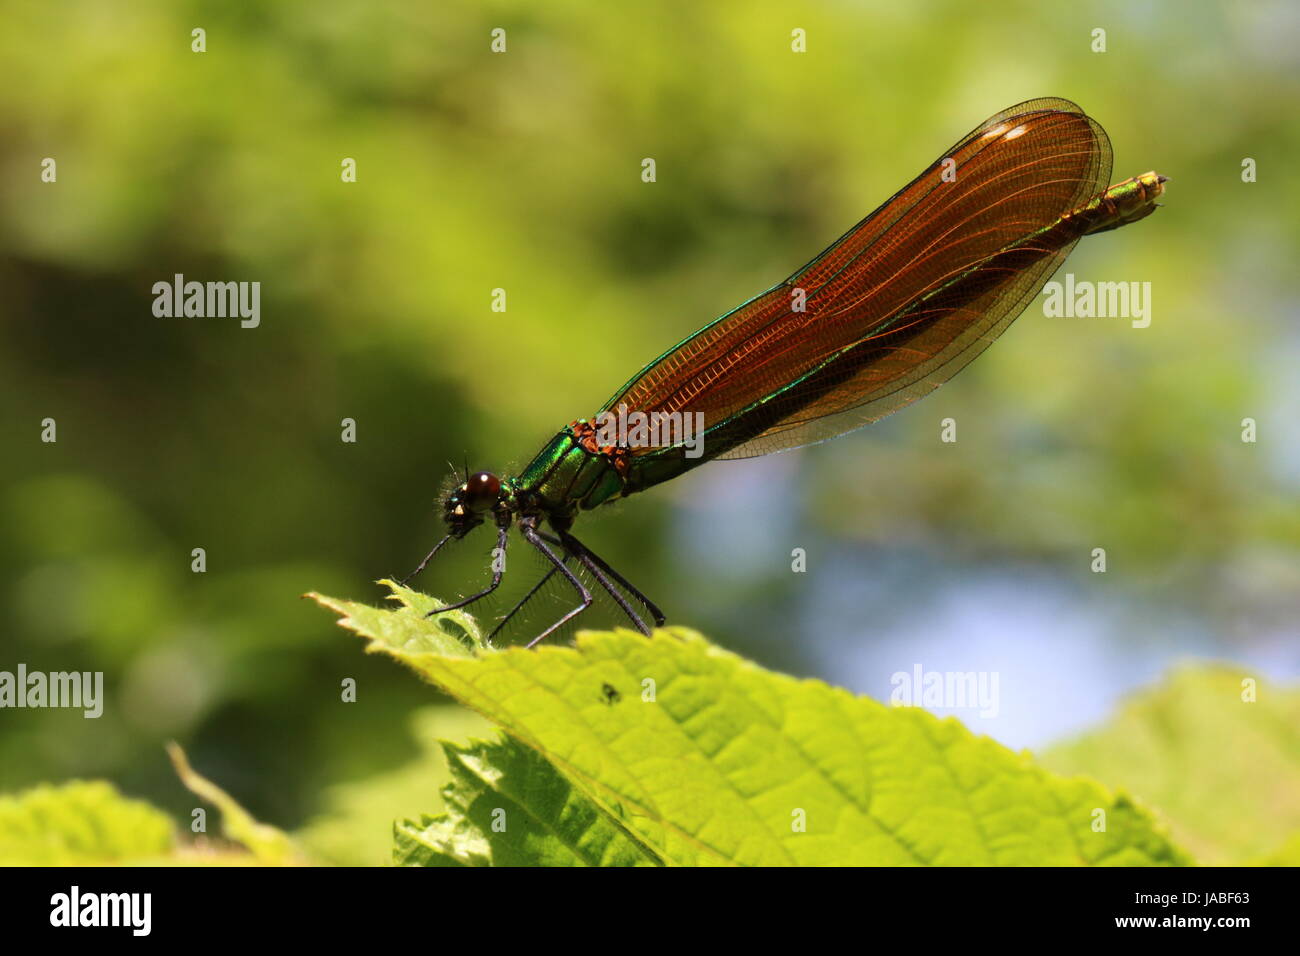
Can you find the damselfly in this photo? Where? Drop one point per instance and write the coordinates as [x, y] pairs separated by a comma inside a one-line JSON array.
[[892, 310]]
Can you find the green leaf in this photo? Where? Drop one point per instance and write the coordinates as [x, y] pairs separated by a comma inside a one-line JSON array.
[[80, 823], [697, 756], [1224, 771], [508, 806]]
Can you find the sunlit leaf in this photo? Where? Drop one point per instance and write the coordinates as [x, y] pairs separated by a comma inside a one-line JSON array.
[[703, 758]]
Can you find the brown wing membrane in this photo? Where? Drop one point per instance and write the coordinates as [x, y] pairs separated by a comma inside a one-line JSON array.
[[901, 302]]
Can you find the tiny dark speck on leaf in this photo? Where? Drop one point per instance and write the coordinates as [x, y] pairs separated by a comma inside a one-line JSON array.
[[610, 695]]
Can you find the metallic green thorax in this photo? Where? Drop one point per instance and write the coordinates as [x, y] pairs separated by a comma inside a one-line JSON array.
[[563, 478], [566, 477]]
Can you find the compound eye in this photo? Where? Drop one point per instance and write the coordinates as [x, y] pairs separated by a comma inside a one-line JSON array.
[[481, 491]]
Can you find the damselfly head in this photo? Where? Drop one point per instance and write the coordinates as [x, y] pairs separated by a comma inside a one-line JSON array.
[[481, 491], [469, 502]]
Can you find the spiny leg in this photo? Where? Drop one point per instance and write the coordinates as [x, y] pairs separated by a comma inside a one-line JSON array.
[[529, 530], [427, 558], [574, 546], [617, 595], [585, 559], [502, 534], [592, 564], [524, 600]]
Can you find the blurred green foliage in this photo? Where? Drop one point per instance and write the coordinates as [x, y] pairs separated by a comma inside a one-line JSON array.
[[1215, 750], [520, 171], [80, 823]]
